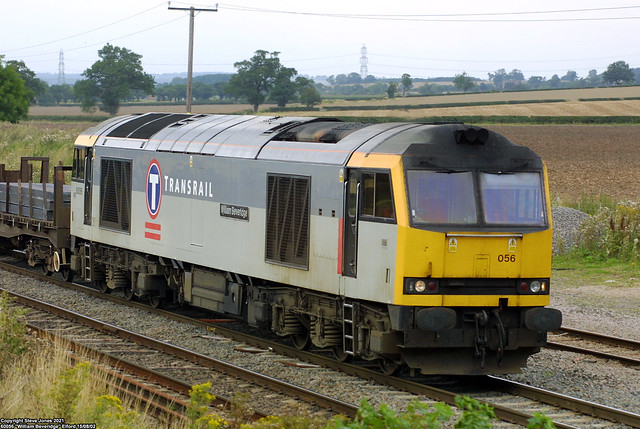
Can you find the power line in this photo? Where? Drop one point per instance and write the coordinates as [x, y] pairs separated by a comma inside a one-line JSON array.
[[84, 32], [106, 41], [458, 17]]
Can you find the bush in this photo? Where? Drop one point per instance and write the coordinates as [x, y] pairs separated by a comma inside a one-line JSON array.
[[612, 233], [417, 415]]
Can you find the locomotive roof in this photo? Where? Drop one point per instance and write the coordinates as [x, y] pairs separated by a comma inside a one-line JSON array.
[[302, 139]]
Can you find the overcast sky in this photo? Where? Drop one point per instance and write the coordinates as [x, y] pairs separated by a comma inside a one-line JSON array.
[[422, 38]]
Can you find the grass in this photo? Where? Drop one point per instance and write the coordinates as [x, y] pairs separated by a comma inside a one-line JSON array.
[[589, 204], [36, 138], [610, 285], [45, 383], [578, 266]]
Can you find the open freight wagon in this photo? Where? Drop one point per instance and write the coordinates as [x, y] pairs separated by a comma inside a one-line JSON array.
[[35, 215]]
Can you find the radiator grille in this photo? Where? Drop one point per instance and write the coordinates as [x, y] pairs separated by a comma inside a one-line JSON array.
[[115, 194], [287, 240]]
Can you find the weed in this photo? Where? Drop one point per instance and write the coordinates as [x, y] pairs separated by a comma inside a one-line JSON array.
[[67, 390], [612, 233], [12, 331], [474, 414], [198, 409]]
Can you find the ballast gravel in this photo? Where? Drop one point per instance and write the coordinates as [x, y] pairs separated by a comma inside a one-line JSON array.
[[591, 379]]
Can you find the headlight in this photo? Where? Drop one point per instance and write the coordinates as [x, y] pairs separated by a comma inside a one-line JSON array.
[[535, 286], [421, 286]]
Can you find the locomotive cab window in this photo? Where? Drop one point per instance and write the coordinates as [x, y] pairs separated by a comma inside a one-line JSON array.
[[441, 197], [512, 199], [377, 197]]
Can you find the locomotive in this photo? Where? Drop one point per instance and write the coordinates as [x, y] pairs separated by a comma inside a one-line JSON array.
[[419, 246]]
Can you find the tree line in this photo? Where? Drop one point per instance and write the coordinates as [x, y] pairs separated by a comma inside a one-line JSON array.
[[118, 76]]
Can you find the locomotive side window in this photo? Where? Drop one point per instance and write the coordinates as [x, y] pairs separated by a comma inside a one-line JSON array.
[[512, 199], [377, 200], [441, 198], [77, 171]]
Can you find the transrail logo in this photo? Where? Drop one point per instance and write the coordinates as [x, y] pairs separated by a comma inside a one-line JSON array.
[[154, 189]]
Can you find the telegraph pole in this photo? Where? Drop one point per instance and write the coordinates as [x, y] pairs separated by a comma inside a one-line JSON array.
[[192, 13]]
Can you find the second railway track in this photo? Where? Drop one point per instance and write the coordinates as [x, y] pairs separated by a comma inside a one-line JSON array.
[[603, 346]]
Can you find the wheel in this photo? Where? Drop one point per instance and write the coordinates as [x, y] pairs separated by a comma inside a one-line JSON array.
[[389, 367], [155, 301], [67, 274], [45, 269], [301, 341], [340, 355], [102, 286], [128, 293]]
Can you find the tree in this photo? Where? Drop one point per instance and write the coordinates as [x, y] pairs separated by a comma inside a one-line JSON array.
[[391, 89], [555, 81], [536, 82], [14, 96], [354, 78], [618, 73], [112, 79], [256, 77], [34, 86], [307, 92], [464, 82], [284, 89], [498, 78], [407, 83], [571, 76], [202, 91], [515, 75], [309, 96], [56, 94], [593, 78]]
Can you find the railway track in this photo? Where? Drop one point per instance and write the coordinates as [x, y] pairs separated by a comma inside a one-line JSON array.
[[512, 402], [165, 364], [591, 343]]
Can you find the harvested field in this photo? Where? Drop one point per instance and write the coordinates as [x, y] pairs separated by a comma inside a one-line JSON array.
[[556, 94], [567, 108]]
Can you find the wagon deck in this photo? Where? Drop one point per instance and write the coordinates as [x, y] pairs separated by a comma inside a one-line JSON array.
[[35, 209]]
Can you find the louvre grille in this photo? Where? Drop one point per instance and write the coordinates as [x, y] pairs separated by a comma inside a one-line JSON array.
[[115, 194], [287, 240]]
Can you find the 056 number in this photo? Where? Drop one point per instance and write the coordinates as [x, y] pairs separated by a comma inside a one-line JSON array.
[[506, 258]]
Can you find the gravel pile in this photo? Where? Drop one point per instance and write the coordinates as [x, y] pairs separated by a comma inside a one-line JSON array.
[[566, 227]]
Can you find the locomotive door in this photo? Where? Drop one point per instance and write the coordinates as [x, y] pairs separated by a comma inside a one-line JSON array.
[[88, 181], [351, 209]]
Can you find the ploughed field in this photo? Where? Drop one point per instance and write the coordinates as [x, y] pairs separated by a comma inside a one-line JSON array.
[[584, 159]]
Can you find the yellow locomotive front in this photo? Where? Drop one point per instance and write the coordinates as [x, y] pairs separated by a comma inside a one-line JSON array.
[[474, 248]]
